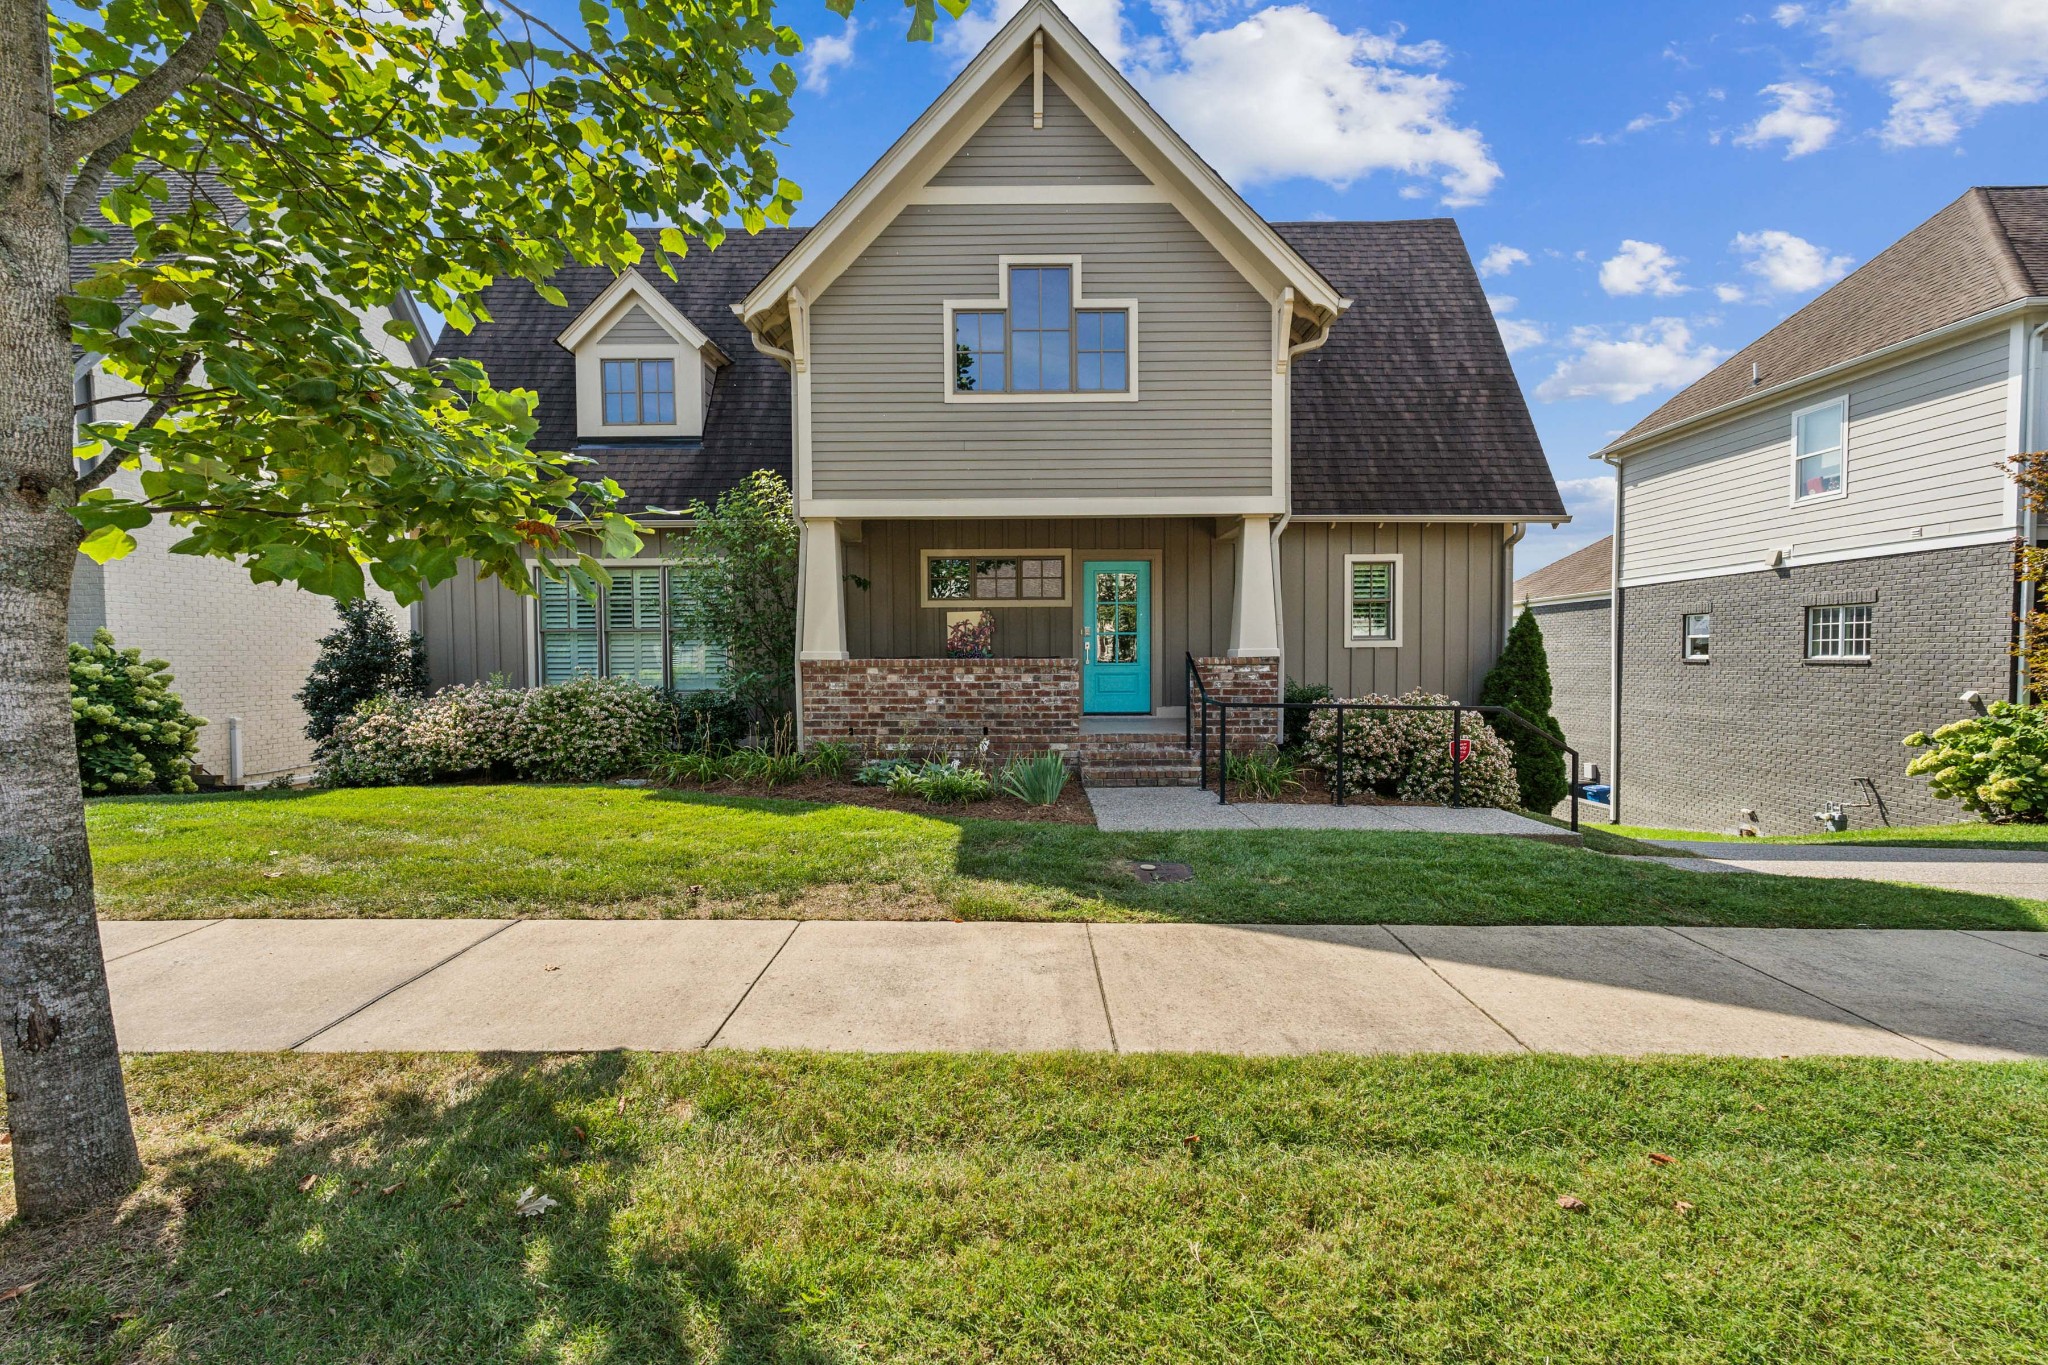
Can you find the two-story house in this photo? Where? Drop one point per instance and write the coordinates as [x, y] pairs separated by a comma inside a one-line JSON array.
[[1814, 545], [1041, 362]]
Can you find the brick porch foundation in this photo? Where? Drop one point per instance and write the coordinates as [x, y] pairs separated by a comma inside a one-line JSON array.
[[1239, 680], [1020, 705]]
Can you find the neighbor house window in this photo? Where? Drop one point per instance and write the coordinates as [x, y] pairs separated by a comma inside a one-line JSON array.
[[639, 392], [1818, 437], [633, 630], [1373, 585], [1047, 340], [1838, 632], [1699, 636], [1027, 579]]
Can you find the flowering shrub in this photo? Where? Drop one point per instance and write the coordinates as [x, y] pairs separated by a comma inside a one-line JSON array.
[[1406, 755], [132, 730], [584, 730], [1996, 764]]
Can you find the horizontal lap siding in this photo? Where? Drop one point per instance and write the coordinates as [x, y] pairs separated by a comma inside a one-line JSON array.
[[1069, 149], [1926, 438], [881, 427]]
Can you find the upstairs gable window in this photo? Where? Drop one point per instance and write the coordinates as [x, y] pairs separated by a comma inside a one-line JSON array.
[[639, 392], [1041, 338], [1819, 436]]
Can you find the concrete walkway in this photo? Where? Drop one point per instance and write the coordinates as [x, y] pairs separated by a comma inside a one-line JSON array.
[[545, 985], [1151, 810], [1988, 871]]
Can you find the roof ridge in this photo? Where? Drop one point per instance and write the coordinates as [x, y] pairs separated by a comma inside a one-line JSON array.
[[2012, 267]]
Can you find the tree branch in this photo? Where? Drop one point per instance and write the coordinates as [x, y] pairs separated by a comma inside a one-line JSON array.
[[121, 116], [85, 190], [103, 468]]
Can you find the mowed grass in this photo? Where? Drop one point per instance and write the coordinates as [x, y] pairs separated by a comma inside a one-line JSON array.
[[614, 852], [1988, 837], [862, 1209]]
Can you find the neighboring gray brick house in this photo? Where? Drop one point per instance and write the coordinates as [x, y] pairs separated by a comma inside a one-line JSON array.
[[1815, 541], [1572, 600]]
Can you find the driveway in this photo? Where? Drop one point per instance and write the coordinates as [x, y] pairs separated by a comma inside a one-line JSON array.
[[1985, 871]]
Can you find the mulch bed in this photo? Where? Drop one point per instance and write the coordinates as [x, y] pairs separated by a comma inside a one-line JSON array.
[[1313, 791], [1071, 809]]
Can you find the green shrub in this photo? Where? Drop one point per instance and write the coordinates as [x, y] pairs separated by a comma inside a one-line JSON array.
[[1520, 681], [944, 784], [830, 760], [1406, 755], [1995, 764], [1296, 723], [764, 767], [364, 657], [881, 772], [133, 732], [711, 720], [698, 767], [589, 729], [1265, 774], [1037, 780], [738, 586], [376, 747], [585, 730]]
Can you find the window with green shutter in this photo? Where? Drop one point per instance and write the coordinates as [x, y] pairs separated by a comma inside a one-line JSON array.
[[1373, 605], [633, 626], [634, 630], [568, 633]]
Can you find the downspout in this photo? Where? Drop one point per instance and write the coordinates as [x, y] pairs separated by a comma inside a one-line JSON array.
[[1517, 530], [1614, 620], [1322, 334], [2031, 408]]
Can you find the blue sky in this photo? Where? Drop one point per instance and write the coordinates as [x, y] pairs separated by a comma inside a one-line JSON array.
[[1667, 180]]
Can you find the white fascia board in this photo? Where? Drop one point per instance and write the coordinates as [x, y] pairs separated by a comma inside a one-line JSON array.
[[635, 286], [1432, 518], [1562, 599]]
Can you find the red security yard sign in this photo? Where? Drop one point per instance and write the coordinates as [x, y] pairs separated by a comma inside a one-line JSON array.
[[1461, 750]]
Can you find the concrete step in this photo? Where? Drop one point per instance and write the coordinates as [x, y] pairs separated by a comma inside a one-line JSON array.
[[1102, 775]]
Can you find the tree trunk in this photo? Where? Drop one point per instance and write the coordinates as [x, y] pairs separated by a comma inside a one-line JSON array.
[[73, 1144]]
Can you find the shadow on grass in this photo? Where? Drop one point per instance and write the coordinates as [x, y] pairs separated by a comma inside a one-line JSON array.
[[392, 1233]]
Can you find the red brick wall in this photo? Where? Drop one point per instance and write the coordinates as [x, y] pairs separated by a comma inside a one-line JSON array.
[[1022, 705], [1240, 680]]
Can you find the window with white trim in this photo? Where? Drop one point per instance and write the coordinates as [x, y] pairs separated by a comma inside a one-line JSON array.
[[1041, 337], [1820, 436], [1021, 578], [1372, 585], [1699, 636], [633, 630], [1838, 632]]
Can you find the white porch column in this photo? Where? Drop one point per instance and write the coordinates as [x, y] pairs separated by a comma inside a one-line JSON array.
[[1254, 616], [823, 606]]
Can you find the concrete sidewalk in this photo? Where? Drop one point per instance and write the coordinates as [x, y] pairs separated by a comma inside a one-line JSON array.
[[1985, 871], [546, 985]]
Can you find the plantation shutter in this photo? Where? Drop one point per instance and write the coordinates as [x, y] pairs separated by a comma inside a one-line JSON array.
[[568, 633], [632, 626], [695, 665], [1372, 601]]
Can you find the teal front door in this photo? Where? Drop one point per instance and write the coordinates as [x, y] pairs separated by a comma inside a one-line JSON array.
[[1116, 637]]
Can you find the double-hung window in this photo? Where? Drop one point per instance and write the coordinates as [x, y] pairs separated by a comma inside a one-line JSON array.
[[1699, 636], [639, 393], [1041, 338], [1372, 600], [1820, 436], [633, 630], [1839, 633]]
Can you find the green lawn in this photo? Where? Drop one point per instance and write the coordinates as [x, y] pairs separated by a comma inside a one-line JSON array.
[[2033, 837], [866, 1209], [620, 852]]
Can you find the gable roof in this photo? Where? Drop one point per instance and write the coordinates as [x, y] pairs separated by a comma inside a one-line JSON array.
[[1410, 409], [1578, 574], [1986, 250], [634, 286], [1038, 29]]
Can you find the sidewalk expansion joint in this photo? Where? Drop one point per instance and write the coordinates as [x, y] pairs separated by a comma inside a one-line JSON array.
[[196, 927], [2001, 943], [1101, 991], [393, 990], [1430, 967], [708, 1042], [1812, 994]]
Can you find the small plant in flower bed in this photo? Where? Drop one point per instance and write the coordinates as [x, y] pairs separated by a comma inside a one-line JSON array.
[[1406, 755], [1996, 764], [940, 782], [1265, 774], [1037, 780]]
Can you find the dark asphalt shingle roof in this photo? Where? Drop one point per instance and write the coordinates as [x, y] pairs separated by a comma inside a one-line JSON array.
[[1581, 571], [1410, 408], [1988, 248]]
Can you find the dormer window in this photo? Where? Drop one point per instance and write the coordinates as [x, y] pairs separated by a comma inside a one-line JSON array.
[[639, 392], [1040, 340]]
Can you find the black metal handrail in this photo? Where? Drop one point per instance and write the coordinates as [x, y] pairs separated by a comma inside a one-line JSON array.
[[1458, 711]]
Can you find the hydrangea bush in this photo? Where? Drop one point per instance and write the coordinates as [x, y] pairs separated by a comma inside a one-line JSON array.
[[585, 730], [1406, 755], [1996, 764], [133, 732]]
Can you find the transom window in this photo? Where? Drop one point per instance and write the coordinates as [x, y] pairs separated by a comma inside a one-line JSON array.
[[1818, 437], [1699, 635], [633, 630], [639, 392], [1838, 632], [1024, 580], [1046, 341], [1372, 587]]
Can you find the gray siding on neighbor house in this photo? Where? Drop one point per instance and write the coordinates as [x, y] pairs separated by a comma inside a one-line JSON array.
[[1926, 441], [1759, 728], [1007, 150], [1578, 642], [475, 628], [880, 425], [637, 328], [1193, 575], [1450, 590]]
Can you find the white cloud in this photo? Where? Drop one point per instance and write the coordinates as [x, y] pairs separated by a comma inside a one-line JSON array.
[[1675, 109], [1591, 494], [1515, 334], [1788, 264], [823, 55], [1730, 293], [1101, 20], [1499, 259], [1943, 62], [1805, 119], [1641, 268], [1622, 367]]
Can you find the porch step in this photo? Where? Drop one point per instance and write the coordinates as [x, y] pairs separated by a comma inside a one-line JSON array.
[[1138, 758]]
